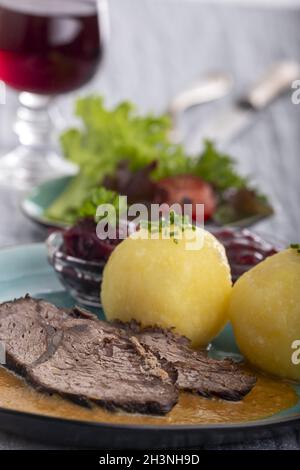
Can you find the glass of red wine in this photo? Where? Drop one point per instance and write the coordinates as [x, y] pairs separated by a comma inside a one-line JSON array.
[[47, 48]]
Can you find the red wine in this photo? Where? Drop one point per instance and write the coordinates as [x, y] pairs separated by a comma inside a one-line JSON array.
[[49, 46]]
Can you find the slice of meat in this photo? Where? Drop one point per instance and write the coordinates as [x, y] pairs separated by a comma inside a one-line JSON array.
[[93, 362], [115, 365], [29, 305], [72, 353], [30, 328], [197, 372], [26, 327]]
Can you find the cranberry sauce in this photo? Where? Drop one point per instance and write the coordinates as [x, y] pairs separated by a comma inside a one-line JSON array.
[[244, 249], [81, 241]]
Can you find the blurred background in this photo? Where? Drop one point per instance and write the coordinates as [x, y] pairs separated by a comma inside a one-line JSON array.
[[158, 47]]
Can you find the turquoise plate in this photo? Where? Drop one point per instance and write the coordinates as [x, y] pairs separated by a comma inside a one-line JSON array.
[[24, 269], [40, 198]]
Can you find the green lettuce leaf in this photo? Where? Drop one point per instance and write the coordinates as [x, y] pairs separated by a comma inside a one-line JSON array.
[[218, 169]]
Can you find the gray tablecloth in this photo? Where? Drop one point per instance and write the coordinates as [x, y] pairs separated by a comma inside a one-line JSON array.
[[156, 49]]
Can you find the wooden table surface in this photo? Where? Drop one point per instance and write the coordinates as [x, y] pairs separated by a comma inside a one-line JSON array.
[[157, 47]]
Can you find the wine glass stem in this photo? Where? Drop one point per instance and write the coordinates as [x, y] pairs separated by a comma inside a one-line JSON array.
[[33, 125]]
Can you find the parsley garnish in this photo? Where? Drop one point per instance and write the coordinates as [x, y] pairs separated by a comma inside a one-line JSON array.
[[171, 226]]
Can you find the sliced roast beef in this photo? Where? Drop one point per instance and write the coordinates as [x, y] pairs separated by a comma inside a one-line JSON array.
[[84, 359], [197, 372], [29, 305], [30, 329], [94, 362], [26, 327], [115, 365]]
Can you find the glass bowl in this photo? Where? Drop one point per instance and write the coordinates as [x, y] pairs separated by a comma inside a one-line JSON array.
[[82, 279]]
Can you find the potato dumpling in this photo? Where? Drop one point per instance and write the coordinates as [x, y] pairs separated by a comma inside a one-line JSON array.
[[265, 313], [161, 282]]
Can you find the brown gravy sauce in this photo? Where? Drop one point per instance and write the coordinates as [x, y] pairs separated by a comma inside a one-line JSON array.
[[269, 396]]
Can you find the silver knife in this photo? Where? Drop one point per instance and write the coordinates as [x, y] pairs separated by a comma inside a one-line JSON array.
[[231, 121]]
